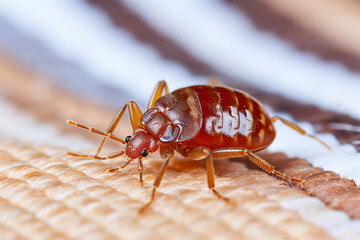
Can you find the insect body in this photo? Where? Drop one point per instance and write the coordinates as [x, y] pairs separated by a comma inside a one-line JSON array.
[[204, 121], [210, 116]]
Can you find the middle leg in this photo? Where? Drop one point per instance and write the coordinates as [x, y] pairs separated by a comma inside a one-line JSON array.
[[299, 130], [211, 175], [201, 153]]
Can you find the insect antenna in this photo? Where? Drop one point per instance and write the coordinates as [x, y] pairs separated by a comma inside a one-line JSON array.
[[97, 131], [110, 156]]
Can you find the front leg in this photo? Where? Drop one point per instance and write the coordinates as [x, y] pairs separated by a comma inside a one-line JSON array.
[[135, 120], [134, 116], [166, 153], [141, 168], [160, 89]]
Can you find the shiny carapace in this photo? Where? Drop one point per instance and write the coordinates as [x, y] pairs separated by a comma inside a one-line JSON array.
[[199, 122]]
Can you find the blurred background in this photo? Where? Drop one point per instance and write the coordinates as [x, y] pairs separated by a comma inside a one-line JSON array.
[[85, 59]]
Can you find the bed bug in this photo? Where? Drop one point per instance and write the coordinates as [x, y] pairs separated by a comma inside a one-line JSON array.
[[199, 122]]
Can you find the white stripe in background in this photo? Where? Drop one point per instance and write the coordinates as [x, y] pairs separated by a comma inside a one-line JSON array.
[[116, 57], [337, 223], [225, 39], [82, 34], [342, 159], [22, 127]]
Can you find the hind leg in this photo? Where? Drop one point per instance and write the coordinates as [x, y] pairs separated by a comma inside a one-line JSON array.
[[298, 129], [262, 163], [221, 153]]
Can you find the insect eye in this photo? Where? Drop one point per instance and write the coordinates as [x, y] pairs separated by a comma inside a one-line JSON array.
[[127, 139], [144, 153]]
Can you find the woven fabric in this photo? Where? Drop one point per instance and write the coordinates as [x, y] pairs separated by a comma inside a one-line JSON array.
[[46, 194], [83, 60]]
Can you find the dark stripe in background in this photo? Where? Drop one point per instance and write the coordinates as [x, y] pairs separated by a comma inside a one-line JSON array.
[[36, 55], [266, 19], [125, 19]]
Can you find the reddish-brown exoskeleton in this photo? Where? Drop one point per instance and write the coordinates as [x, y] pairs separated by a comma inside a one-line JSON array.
[[200, 122]]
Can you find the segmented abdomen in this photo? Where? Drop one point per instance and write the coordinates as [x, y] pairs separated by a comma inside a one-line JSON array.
[[231, 118]]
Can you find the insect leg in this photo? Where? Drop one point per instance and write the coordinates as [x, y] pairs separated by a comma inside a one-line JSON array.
[[198, 153], [213, 81], [141, 168], [241, 152], [158, 92], [167, 153], [271, 169], [135, 120], [210, 175], [156, 184], [122, 165], [110, 156], [298, 129]]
